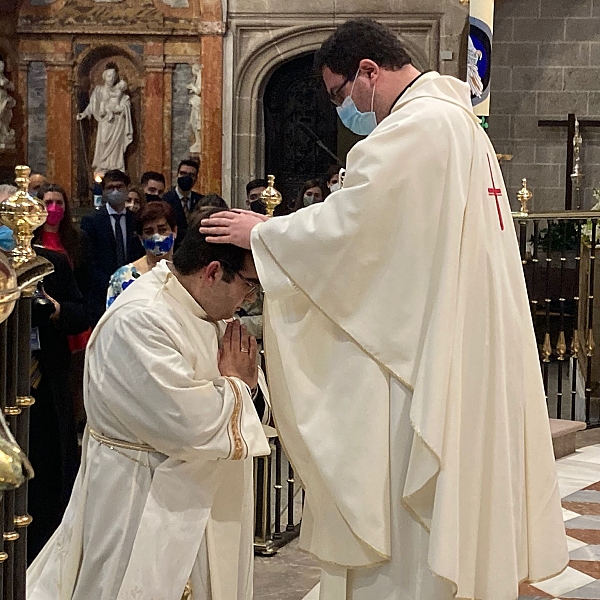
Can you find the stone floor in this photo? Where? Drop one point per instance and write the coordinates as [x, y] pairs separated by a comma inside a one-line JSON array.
[[292, 575], [579, 482], [289, 575]]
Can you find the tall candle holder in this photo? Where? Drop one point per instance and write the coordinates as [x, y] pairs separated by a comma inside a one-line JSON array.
[[270, 197], [23, 214]]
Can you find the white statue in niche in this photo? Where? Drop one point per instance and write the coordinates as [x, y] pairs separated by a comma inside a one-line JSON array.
[[7, 103], [111, 107], [195, 89]]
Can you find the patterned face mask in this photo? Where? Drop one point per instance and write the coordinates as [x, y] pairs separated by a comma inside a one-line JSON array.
[[159, 245]]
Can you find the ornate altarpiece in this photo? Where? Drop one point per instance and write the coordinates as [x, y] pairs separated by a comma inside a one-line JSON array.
[[72, 41]]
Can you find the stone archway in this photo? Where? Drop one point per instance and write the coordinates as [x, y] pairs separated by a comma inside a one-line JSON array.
[[258, 50]]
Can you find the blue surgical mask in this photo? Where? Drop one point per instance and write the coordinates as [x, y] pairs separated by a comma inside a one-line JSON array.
[[159, 245], [356, 121], [7, 241]]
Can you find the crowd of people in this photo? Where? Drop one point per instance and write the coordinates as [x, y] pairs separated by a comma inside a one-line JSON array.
[[137, 226]]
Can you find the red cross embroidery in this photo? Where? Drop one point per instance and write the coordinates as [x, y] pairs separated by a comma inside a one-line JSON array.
[[494, 191]]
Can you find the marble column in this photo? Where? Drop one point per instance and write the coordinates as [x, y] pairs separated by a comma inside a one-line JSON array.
[[35, 80], [59, 142], [152, 108], [166, 120], [153, 121], [212, 119]]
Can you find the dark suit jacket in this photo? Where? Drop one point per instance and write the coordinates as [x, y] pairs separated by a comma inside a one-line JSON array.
[[172, 198], [53, 435], [100, 250]]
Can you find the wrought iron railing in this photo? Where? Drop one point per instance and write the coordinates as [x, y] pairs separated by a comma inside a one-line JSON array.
[[277, 504], [559, 262]]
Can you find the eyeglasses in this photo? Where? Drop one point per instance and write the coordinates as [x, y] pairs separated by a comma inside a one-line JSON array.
[[333, 95], [253, 285]]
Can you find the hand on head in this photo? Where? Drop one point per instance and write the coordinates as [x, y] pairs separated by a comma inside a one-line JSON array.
[[231, 227]]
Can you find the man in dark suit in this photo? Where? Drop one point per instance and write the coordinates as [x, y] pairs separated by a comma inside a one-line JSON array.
[[181, 198], [109, 241]]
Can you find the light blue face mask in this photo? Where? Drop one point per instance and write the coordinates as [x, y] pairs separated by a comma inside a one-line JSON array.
[[356, 121], [7, 241]]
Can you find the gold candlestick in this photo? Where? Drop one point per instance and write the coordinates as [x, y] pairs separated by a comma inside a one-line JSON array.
[[9, 290], [270, 197], [524, 196], [577, 174], [23, 214]]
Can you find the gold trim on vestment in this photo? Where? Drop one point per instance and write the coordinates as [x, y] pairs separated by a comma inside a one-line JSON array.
[[238, 444], [115, 443]]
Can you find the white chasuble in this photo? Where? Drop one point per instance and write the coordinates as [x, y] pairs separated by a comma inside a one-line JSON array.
[[142, 522], [404, 370]]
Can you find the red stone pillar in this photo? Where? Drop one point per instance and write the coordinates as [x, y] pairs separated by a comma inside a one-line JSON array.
[[153, 122], [211, 56]]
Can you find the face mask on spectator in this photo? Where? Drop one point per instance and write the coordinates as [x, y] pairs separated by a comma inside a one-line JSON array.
[[115, 197], [334, 187], [185, 183], [7, 241], [159, 245], [152, 198], [55, 214]]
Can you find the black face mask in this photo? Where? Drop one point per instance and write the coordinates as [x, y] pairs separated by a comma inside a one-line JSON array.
[[152, 198], [258, 207], [185, 183]]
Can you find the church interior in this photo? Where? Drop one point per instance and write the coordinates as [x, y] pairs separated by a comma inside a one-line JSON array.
[[228, 87]]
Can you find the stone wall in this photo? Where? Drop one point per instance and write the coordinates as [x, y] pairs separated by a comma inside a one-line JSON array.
[[546, 64], [264, 34]]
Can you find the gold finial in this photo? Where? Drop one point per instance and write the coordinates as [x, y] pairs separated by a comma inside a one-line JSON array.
[[524, 196], [575, 346], [561, 346], [547, 348], [590, 344], [270, 197], [23, 214]]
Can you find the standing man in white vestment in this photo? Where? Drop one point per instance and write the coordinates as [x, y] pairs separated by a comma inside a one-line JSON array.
[[402, 360], [164, 496]]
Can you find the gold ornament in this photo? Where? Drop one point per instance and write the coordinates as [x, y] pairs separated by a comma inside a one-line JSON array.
[[270, 197], [23, 214]]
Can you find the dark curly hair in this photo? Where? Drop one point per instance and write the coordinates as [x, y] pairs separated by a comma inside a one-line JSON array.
[[359, 39]]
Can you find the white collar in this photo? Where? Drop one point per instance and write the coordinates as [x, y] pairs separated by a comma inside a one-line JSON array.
[[112, 211]]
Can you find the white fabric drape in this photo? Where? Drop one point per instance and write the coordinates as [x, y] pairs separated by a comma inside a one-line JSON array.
[[136, 520], [412, 272]]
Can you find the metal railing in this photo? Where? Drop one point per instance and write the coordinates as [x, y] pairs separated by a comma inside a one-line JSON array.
[[559, 262], [277, 511]]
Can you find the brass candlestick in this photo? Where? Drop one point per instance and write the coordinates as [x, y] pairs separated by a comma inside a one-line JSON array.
[[9, 290], [270, 197], [577, 174], [23, 214], [524, 196]]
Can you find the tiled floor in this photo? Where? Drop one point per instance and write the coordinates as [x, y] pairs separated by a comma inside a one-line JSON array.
[[579, 482]]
